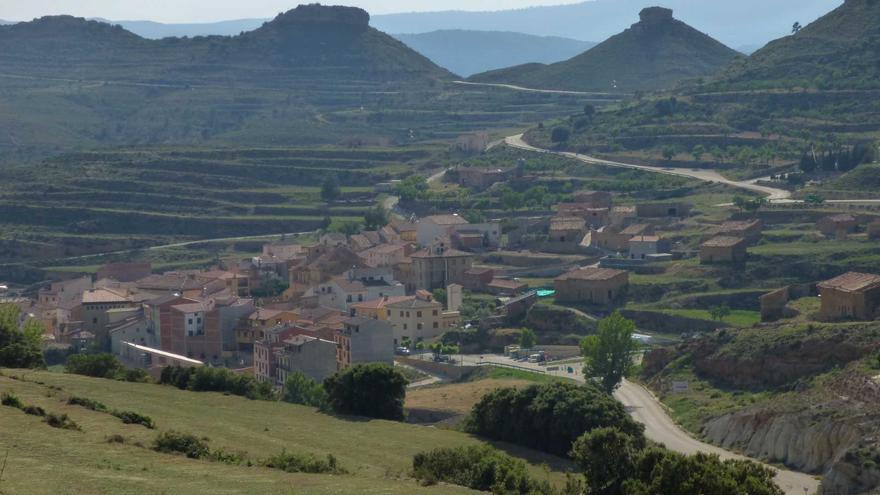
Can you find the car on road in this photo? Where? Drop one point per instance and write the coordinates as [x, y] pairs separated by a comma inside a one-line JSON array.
[[402, 351]]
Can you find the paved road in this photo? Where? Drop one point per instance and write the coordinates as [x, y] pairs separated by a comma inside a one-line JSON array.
[[659, 427], [773, 194], [534, 90]]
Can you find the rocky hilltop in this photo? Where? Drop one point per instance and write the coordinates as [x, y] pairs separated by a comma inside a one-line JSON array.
[[657, 52]]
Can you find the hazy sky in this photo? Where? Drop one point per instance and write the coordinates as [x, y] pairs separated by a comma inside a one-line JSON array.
[[215, 10]]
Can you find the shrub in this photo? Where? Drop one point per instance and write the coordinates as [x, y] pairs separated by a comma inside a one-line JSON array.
[[548, 417], [11, 400], [116, 438], [480, 468], [134, 375], [34, 411], [133, 418], [207, 379], [300, 389], [173, 442], [95, 365], [303, 463], [87, 403], [371, 390], [62, 421], [560, 134]]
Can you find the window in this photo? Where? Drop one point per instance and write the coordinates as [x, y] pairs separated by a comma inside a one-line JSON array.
[[436, 325], [418, 314], [419, 326], [435, 312], [190, 321], [405, 326]]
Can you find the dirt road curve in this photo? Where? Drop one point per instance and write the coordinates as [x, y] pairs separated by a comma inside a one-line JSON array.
[[646, 409]]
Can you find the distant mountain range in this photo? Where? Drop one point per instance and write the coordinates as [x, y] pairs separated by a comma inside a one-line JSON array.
[[740, 23], [469, 52], [744, 24], [656, 53]]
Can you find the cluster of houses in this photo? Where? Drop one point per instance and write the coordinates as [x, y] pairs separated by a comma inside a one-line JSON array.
[[349, 299]]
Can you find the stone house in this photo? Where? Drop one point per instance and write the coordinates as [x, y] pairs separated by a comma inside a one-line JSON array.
[[506, 287], [723, 249], [483, 178], [477, 279], [611, 239], [357, 285], [567, 229], [419, 318], [437, 267], [313, 357], [407, 231], [364, 340], [594, 199], [601, 286], [852, 295], [384, 255], [645, 246], [594, 217], [747, 229], [94, 312], [838, 226], [433, 227]]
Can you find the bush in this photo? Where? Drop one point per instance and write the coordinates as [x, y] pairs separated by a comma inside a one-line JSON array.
[[560, 134], [300, 389], [303, 463], [134, 375], [173, 442], [62, 421], [11, 400], [87, 403], [207, 379], [133, 418], [116, 438], [480, 468], [95, 365], [34, 411], [548, 417], [371, 390]]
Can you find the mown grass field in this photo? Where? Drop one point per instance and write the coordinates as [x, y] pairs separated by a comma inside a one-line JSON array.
[[44, 460]]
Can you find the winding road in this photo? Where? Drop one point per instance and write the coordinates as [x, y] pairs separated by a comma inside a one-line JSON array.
[[645, 408]]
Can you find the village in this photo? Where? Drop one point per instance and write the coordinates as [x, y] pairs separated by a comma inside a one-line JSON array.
[[412, 286]]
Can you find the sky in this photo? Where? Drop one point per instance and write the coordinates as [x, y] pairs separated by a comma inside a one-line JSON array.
[[218, 10]]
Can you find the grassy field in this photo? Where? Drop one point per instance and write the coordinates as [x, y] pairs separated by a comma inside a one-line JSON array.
[[43, 460]]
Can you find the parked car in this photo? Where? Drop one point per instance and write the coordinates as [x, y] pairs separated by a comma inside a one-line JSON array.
[[441, 358], [402, 351]]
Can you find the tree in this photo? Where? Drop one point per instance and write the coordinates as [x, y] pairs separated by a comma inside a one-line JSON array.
[[95, 365], [608, 458], [440, 296], [719, 313], [20, 345], [807, 163], [740, 202], [814, 199], [373, 390], [796, 27], [300, 389], [698, 152], [412, 188], [589, 110], [608, 354], [376, 217], [668, 153], [330, 190], [560, 134], [527, 338]]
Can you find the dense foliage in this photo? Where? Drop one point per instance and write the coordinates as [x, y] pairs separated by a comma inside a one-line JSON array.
[[615, 463], [174, 442], [372, 390], [478, 467], [548, 417], [303, 463], [608, 355], [20, 344], [300, 389], [207, 379]]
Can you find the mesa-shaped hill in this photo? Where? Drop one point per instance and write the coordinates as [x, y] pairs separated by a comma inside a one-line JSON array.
[[839, 50], [656, 53], [308, 42]]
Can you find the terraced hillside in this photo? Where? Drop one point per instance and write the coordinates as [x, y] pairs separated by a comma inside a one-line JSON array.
[[377, 455], [101, 201]]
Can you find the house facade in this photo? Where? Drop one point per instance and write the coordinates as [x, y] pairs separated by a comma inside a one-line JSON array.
[[601, 286], [851, 296], [723, 249]]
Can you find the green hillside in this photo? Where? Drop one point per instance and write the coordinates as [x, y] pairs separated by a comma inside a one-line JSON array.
[[44, 460], [656, 53], [840, 50]]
